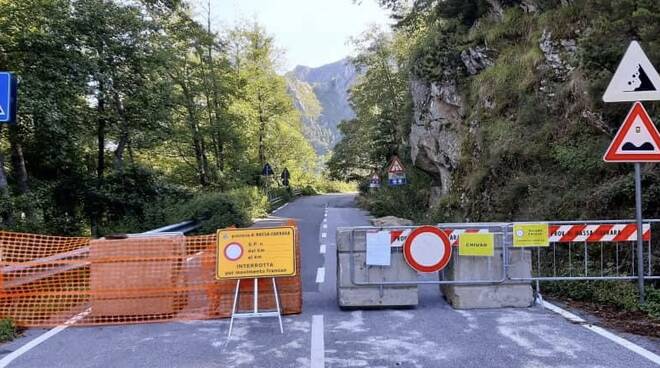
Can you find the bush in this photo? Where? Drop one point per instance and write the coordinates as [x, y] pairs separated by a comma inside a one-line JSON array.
[[336, 186], [622, 295], [8, 330], [215, 210], [251, 200], [652, 305], [308, 190]]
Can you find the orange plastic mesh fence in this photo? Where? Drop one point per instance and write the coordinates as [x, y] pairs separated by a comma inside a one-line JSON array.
[[47, 281]]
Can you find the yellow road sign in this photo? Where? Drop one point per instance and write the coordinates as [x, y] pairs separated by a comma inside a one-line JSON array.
[[476, 244], [256, 252], [530, 235]]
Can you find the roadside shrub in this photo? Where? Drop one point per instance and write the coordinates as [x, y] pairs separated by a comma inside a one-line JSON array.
[[336, 186], [217, 210], [308, 190], [214, 211], [8, 330], [652, 305], [622, 295], [251, 200]]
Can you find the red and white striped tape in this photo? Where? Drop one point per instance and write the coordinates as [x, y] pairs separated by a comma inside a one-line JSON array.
[[597, 233], [398, 237]]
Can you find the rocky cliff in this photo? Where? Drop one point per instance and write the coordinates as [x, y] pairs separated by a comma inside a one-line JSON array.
[[321, 95], [508, 119]]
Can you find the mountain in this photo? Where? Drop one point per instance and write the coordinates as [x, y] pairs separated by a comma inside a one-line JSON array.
[[321, 95]]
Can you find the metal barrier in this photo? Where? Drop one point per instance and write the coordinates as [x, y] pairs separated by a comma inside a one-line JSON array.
[[277, 200], [577, 254], [501, 232], [570, 256]]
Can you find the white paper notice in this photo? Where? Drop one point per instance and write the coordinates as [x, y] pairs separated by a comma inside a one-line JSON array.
[[378, 248]]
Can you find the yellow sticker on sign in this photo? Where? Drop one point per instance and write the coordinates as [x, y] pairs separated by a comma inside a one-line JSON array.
[[530, 235], [256, 252], [476, 244]]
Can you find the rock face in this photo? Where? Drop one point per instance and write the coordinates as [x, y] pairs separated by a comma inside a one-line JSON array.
[[476, 59], [434, 142], [321, 95], [391, 221]]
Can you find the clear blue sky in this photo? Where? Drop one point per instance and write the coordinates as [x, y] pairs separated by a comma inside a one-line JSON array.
[[312, 32]]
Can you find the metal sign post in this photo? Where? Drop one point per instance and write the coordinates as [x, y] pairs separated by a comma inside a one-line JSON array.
[[640, 230], [638, 139]]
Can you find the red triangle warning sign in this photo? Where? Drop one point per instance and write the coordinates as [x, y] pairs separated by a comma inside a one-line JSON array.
[[396, 166], [637, 140]]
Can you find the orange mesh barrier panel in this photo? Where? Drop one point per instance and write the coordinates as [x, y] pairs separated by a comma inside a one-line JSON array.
[[47, 281]]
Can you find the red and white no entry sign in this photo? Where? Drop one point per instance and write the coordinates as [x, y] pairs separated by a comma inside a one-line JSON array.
[[427, 249], [233, 251]]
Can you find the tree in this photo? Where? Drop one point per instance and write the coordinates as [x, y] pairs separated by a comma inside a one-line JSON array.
[[382, 104]]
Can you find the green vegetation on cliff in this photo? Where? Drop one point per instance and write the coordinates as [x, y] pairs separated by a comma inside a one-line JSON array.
[[516, 86]]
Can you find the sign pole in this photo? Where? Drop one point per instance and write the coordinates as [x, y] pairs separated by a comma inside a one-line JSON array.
[[640, 231]]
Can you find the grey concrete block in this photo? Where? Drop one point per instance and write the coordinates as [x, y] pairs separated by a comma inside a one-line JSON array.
[[520, 262], [344, 240], [370, 297], [507, 294], [397, 271], [497, 296]]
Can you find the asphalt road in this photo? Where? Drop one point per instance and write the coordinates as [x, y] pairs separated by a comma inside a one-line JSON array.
[[431, 335]]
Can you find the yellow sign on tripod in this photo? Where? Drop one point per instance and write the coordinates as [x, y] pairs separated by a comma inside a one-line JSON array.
[[256, 252]]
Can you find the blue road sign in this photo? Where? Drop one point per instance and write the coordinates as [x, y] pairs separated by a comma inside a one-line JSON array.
[[7, 98], [398, 181]]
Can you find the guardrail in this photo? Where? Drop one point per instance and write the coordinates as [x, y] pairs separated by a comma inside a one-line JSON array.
[[182, 227], [274, 201]]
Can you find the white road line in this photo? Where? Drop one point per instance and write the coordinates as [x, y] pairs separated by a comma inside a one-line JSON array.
[[280, 207], [325, 226], [41, 338], [322, 250], [324, 235], [320, 275], [603, 332], [318, 345]]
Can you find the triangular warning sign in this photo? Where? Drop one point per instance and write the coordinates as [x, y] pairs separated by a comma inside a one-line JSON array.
[[635, 79], [637, 140], [396, 166]]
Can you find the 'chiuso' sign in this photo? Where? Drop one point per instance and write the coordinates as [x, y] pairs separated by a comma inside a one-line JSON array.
[[476, 244]]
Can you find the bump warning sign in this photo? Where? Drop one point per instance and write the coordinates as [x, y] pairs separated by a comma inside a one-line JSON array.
[[256, 252]]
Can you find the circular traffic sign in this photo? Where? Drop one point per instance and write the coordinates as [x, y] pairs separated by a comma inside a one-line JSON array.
[[427, 249], [233, 251]]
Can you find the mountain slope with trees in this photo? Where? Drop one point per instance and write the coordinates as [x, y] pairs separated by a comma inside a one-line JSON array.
[[129, 109]]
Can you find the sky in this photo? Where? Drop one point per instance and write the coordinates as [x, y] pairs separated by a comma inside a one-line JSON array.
[[312, 32]]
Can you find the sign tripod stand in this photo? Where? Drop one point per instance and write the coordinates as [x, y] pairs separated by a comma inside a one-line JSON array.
[[255, 310], [255, 253]]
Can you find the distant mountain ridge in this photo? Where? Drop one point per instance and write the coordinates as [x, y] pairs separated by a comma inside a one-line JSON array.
[[321, 95]]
